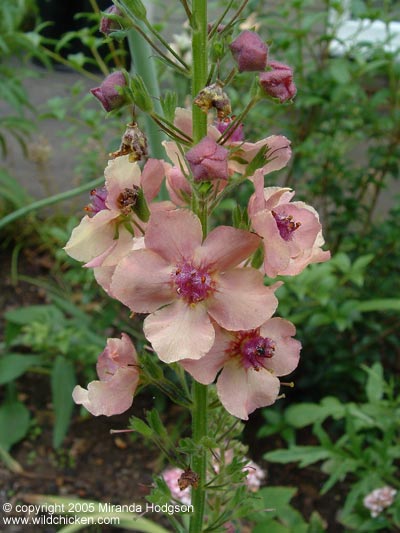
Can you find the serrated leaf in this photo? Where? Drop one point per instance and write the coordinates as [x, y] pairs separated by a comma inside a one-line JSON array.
[[304, 455]]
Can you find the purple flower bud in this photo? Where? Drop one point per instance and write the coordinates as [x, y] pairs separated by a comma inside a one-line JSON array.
[[108, 94], [249, 51], [98, 199], [107, 25], [236, 135], [278, 82], [208, 160]]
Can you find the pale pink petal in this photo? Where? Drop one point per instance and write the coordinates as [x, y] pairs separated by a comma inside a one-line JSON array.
[[297, 265], [305, 235], [142, 281], [273, 196], [277, 155], [174, 235], [276, 250], [120, 174], [92, 237], [178, 186], [242, 301], [183, 120], [111, 397], [153, 174], [256, 201], [242, 391], [119, 249], [205, 370], [226, 247], [103, 276], [117, 353], [287, 351], [180, 331], [175, 155]]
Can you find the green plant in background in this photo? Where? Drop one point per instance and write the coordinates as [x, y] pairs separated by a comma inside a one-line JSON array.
[[361, 448]]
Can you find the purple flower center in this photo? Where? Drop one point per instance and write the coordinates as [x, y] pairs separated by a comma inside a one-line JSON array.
[[193, 284], [98, 199], [252, 348], [286, 225]]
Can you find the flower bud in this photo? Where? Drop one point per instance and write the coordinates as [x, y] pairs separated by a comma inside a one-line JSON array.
[[108, 94], [107, 25], [214, 96], [208, 160], [236, 133], [278, 82], [249, 51]]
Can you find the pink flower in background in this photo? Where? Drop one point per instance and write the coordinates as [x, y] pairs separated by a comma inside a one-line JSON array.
[[255, 474], [291, 231], [171, 477], [117, 368], [278, 82], [237, 134], [108, 92], [249, 51], [379, 499], [208, 160], [185, 283], [250, 363]]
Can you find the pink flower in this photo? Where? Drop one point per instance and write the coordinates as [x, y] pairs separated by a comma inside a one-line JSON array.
[[250, 361], [291, 231], [250, 51], [379, 499], [117, 368], [185, 283], [178, 186], [171, 477], [241, 153], [255, 474], [103, 239], [278, 153], [237, 134], [108, 94], [208, 160], [278, 82]]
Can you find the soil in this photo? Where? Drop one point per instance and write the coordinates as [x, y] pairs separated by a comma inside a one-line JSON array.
[[96, 465]]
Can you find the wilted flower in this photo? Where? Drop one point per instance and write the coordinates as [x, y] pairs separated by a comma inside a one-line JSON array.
[[107, 25], [117, 368], [133, 143], [291, 231], [250, 362], [208, 160], [379, 499], [278, 82], [184, 283], [249, 51], [108, 92], [213, 96], [171, 476]]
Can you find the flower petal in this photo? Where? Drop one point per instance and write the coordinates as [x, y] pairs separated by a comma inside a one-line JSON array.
[[287, 351], [242, 301], [180, 331], [92, 237], [174, 235], [242, 391], [111, 397], [153, 174], [120, 174], [226, 247], [142, 281], [205, 370]]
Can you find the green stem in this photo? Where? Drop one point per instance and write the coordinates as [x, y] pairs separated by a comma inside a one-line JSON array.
[[199, 391], [199, 460], [23, 211], [200, 65]]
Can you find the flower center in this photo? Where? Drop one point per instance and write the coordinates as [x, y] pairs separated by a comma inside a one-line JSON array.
[[97, 200], [127, 199], [252, 348], [286, 225], [193, 284]]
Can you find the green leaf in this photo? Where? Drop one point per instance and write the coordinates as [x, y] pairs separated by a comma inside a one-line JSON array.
[[34, 313], [63, 382], [304, 414], [13, 365], [141, 427], [304, 455], [375, 383], [382, 304], [14, 423]]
